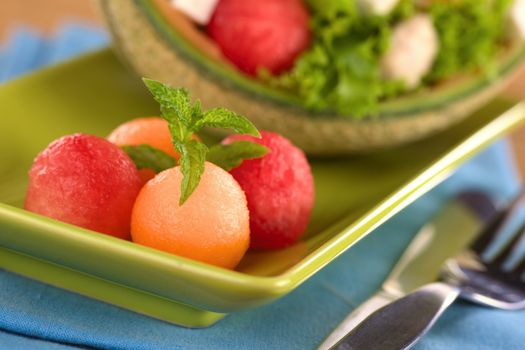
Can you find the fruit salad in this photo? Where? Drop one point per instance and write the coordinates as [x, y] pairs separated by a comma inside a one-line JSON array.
[[154, 182], [348, 56]]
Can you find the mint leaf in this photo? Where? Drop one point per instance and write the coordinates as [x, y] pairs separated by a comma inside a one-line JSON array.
[[223, 118], [145, 156], [231, 156], [179, 132], [197, 113], [175, 107], [193, 156]]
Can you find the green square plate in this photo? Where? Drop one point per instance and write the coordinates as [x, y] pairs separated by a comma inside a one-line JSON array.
[[93, 94]]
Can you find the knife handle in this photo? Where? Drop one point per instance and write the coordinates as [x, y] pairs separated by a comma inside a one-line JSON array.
[[400, 324]]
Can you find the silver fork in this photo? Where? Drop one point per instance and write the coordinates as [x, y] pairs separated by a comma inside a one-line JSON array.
[[471, 276]]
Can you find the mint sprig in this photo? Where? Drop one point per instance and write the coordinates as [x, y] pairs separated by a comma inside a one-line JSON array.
[[185, 119]]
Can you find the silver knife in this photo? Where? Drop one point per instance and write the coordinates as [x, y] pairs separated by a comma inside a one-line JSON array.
[[444, 236]]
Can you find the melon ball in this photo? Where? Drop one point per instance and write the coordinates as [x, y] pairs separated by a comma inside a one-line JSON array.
[[86, 181], [153, 131], [258, 34], [212, 226], [279, 188]]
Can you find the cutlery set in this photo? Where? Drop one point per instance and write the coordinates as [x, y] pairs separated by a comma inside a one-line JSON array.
[[434, 271]]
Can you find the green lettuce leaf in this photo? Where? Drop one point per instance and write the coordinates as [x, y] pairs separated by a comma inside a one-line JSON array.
[[470, 34], [341, 69]]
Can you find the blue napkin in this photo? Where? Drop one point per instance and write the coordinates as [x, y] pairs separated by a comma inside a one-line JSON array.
[[35, 315], [26, 50]]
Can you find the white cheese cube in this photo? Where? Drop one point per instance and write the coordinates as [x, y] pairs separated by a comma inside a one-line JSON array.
[[198, 10], [413, 48], [517, 19]]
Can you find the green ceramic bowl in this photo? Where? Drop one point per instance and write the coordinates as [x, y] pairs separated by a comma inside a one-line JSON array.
[[94, 94]]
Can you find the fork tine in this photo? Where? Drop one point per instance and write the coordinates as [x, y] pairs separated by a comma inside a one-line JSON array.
[[492, 230], [519, 269], [509, 247]]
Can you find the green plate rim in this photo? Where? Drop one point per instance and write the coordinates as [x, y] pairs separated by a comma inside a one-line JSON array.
[[269, 288]]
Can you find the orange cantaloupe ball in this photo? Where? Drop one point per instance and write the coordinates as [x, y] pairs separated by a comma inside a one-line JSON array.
[[151, 131], [212, 226]]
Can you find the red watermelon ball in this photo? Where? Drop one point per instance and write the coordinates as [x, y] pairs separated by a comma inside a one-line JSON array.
[[261, 33], [86, 181], [279, 188]]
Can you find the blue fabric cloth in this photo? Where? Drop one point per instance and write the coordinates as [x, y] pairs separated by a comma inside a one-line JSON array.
[[35, 315], [26, 50], [16, 341]]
